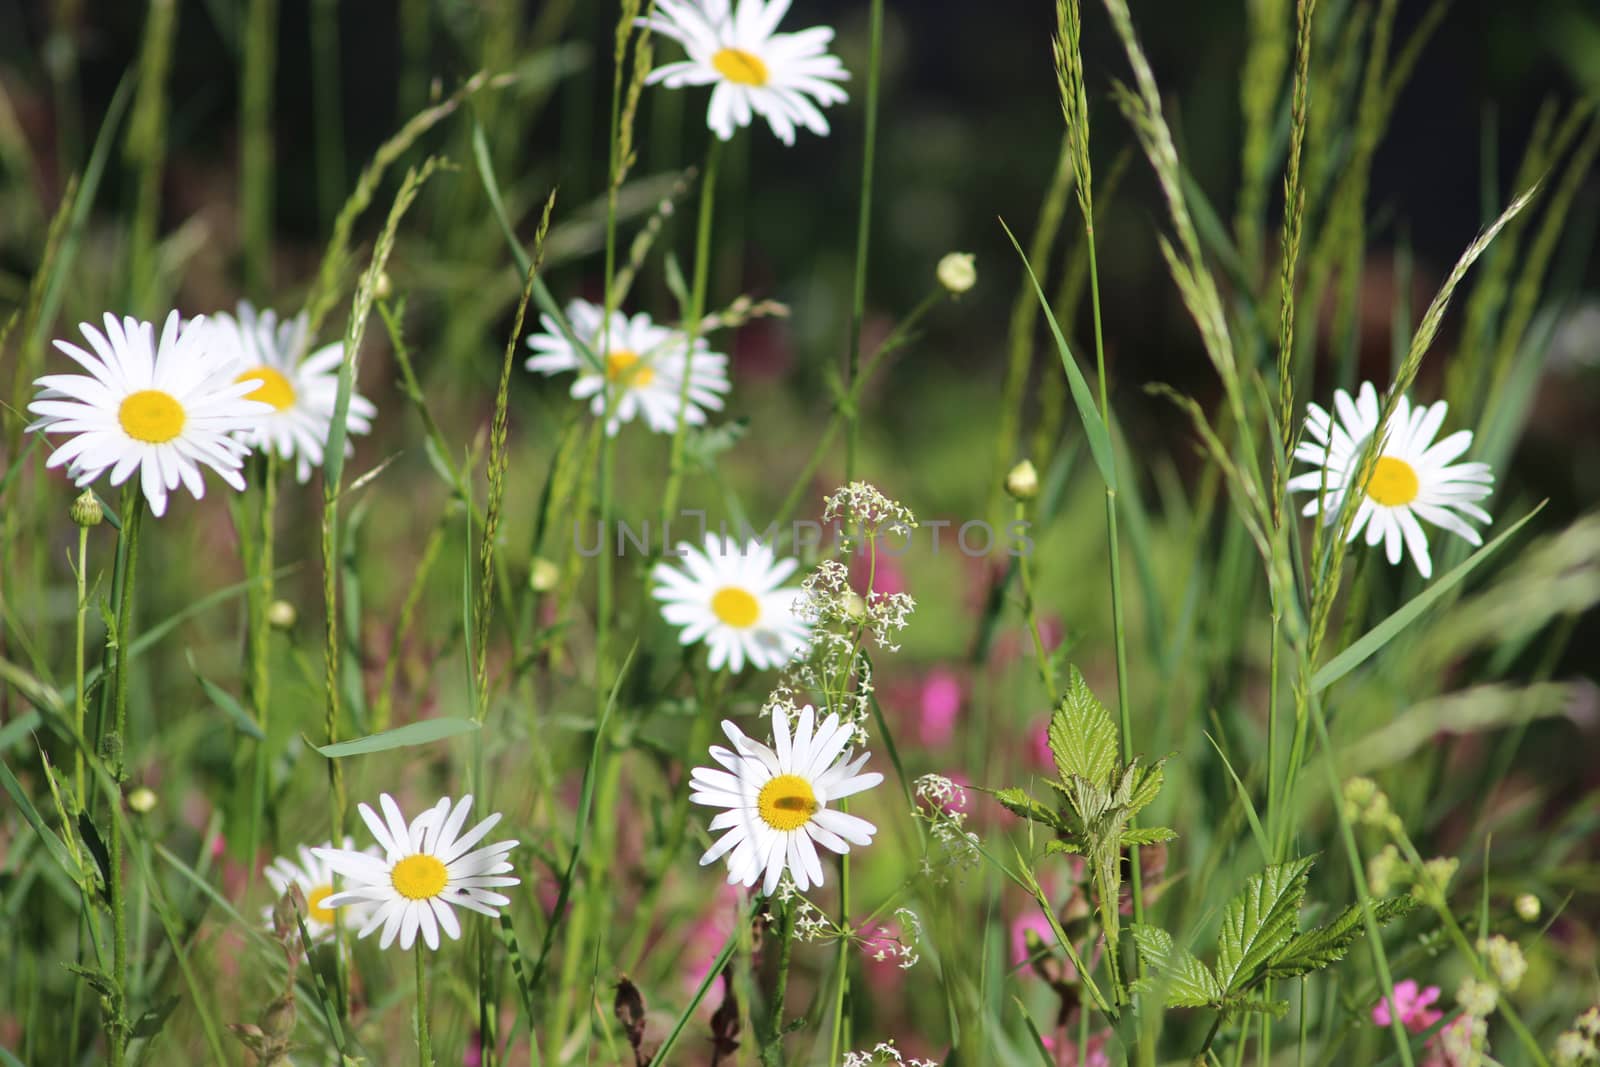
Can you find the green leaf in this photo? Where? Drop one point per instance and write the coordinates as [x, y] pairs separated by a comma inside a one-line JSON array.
[[1259, 921], [1277, 1008], [1056, 845], [1148, 835], [417, 733], [1374, 639], [1082, 735], [53, 844], [1327, 944], [1188, 982], [225, 700], [1145, 785], [1093, 427], [1018, 802]]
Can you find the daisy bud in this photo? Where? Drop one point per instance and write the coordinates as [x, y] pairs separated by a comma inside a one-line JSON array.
[[544, 576], [86, 510], [281, 615], [958, 272], [142, 800], [1527, 906], [1023, 481]]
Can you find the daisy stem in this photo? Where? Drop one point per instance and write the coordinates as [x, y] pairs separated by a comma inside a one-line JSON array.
[[863, 233], [424, 1039], [843, 982], [773, 1053], [77, 689], [692, 326], [260, 635], [132, 508]]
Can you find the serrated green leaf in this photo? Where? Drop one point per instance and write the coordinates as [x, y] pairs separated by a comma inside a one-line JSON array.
[[1082, 735], [1146, 785], [1259, 921], [1148, 835], [1018, 802], [1057, 845], [1188, 982], [1327, 944], [1277, 1008]]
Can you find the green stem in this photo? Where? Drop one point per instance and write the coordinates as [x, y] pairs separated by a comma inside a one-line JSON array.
[[77, 688], [260, 638], [424, 1039], [772, 1052], [841, 986], [1046, 669], [1358, 875], [692, 327], [132, 509], [858, 303]]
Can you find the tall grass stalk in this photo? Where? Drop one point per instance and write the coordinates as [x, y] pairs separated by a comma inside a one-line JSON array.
[[858, 298], [1075, 109], [120, 1027]]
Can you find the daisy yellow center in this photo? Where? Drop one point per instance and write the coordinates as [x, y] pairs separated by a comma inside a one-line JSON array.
[[151, 416], [314, 909], [275, 389], [786, 802], [419, 877], [624, 368], [735, 607], [740, 67], [1393, 483]]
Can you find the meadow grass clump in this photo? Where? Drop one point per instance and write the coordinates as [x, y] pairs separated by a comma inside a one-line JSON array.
[[542, 575]]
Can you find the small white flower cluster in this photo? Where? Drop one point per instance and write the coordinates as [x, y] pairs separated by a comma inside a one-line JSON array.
[[1434, 884], [1384, 869], [1476, 998], [811, 923], [1580, 1046], [840, 620], [1505, 960], [1465, 1041], [897, 945], [863, 511], [1368, 805], [883, 1052], [942, 804]]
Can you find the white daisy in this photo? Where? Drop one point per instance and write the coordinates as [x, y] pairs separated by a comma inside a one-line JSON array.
[[730, 595], [302, 392], [164, 410], [782, 77], [777, 800], [425, 873], [315, 878], [644, 362], [1414, 478]]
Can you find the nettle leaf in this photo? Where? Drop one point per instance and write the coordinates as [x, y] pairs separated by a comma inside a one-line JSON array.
[[1278, 1008], [1259, 921], [1327, 944], [1020, 803], [1148, 835], [1188, 982], [1146, 784], [1057, 845], [1083, 737]]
